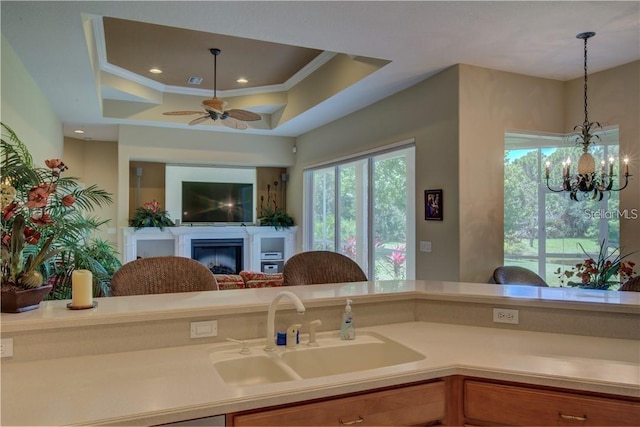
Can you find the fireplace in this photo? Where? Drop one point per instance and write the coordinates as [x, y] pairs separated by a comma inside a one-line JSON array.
[[221, 256]]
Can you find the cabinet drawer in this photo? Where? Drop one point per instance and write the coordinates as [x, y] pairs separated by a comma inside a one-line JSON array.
[[407, 406], [512, 405]]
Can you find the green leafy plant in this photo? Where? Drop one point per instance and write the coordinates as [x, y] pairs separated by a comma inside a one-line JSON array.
[[150, 215], [275, 217], [44, 227], [600, 273], [270, 214], [99, 256]]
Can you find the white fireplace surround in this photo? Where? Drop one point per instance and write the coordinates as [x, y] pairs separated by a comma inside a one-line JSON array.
[[177, 241]]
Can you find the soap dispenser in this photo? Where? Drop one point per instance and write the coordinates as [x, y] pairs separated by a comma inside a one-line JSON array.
[[347, 329]]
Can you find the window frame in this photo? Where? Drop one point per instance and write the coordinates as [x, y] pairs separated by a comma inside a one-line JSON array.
[[540, 141], [368, 252]]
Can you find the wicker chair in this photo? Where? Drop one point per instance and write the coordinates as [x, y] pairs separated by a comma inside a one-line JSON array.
[[513, 275], [632, 284], [316, 267], [161, 275]]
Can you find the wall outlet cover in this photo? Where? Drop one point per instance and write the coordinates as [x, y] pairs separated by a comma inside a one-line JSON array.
[[6, 347], [505, 315]]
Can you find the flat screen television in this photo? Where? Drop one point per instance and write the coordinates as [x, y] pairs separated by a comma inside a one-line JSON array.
[[210, 202]]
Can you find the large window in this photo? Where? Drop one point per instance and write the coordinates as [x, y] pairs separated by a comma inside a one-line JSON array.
[[544, 231], [364, 208]]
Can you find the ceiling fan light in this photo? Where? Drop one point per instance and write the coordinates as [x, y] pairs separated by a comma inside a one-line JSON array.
[[214, 104]]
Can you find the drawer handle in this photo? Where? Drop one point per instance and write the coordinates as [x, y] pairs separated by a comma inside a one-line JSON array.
[[573, 417], [348, 423]]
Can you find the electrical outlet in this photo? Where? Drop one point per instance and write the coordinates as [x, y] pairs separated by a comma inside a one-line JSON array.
[[504, 315], [425, 246], [208, 328], [6, 347]]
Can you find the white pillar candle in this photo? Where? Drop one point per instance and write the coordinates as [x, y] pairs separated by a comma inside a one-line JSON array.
[[82, 288]]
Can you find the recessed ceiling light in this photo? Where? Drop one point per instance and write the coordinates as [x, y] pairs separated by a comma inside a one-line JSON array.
[[80, 131], [242, 80], [155, 71]]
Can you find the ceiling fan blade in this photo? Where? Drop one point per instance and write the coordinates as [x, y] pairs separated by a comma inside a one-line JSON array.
[[198, 120], [182, 113], [244, 115], [232, 123]]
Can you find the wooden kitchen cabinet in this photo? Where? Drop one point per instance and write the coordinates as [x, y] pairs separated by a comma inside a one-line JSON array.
[[487, 403], [416, 405]]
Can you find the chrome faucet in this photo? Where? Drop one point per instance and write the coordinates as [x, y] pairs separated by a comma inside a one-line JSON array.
[[271, 317]]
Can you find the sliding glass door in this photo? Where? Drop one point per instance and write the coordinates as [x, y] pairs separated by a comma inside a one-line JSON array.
[[364, 208]]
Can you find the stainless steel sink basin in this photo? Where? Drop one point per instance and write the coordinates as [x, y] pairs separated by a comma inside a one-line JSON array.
[[253, 370], [331, 356], [364, 353]]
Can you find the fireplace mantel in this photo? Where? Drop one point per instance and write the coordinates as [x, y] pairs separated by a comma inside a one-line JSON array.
[[258, 241]]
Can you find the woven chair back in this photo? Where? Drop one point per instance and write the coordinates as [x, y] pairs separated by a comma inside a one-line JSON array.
[[161, 275], [317, 267], [632, 285], [513, 275]]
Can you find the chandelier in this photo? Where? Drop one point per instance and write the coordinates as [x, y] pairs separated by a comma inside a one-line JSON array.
[[587, 182]]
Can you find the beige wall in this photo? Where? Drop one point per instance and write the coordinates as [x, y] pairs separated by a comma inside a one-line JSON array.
[[427, 112], [152, 183], [93, 163], [490, 103], [25, 109], [267, 176]]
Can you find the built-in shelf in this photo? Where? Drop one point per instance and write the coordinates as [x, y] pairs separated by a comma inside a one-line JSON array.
[[258, 243]]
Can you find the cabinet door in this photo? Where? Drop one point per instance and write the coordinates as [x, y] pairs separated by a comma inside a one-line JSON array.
[[486, 403], [407, 406]]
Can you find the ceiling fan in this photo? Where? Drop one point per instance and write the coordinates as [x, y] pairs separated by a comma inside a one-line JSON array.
[[214, 108]]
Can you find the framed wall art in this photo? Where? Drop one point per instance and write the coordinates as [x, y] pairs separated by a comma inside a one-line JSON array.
[[433, 205]]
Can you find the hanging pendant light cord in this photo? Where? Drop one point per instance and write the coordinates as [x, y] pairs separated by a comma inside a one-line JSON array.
[[586, 113], [215, 74]]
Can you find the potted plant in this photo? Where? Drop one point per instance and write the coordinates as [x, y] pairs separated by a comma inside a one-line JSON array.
[[270, 214], [40, 212], [600, 273], [150, 215]]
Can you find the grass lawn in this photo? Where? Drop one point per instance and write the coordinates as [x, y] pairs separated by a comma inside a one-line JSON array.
[[569, 247]]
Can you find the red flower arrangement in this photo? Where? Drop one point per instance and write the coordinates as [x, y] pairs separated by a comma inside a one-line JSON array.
[[26, 223], [151, 215], [600, 273]]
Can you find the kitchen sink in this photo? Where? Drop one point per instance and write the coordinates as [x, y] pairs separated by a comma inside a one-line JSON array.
[[331, 356], [253, 370], [364, 353]]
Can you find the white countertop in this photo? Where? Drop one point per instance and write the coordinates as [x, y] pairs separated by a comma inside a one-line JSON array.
[[167, 384], [54, 314], [158, 385]]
